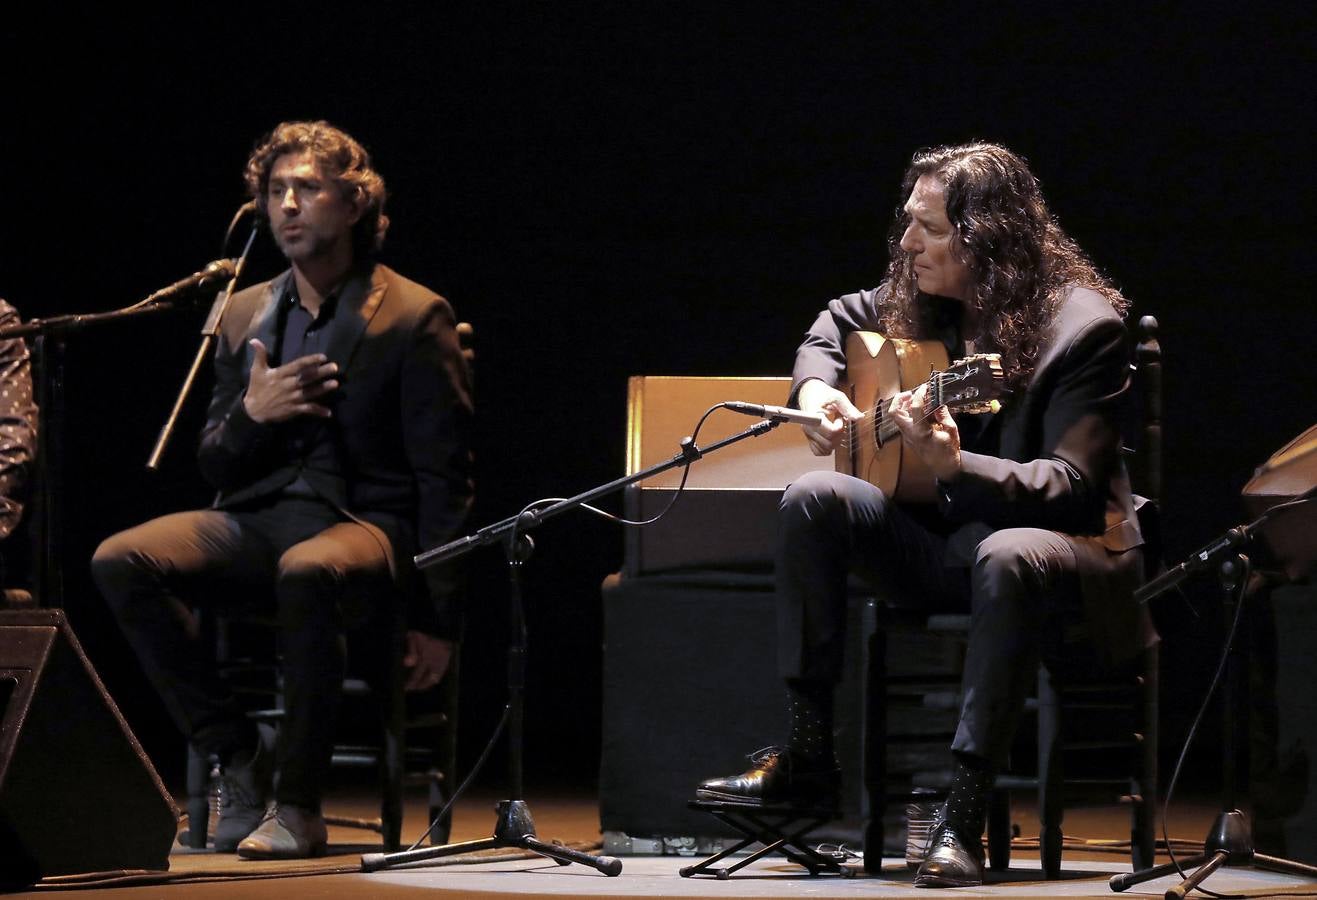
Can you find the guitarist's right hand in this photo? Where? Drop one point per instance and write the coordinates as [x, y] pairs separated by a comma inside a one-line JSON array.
[[816, 396]]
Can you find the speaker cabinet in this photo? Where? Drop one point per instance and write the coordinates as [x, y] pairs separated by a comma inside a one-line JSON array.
[[77, 794], [691, 687], [1282, 713]]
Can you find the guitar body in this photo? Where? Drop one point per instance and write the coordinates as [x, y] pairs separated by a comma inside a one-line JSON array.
[[877, 369]]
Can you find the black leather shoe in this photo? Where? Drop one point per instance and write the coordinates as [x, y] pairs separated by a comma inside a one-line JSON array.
[[775, 778], [951, 862]]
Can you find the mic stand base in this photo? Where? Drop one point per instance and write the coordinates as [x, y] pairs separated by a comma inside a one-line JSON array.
[[1228, 844], [514, 828]]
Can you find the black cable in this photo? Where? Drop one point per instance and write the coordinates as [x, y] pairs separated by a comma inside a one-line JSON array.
[[685, 474], [1193, 729], [466, 782]]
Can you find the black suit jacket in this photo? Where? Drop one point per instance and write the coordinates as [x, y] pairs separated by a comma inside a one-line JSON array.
[[1052, 454], [398, 450]]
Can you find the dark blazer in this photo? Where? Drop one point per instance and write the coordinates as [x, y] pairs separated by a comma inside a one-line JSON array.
[[398, 450], [1049, 459]]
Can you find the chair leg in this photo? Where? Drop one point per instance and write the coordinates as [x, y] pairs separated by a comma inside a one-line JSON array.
[[444, 780], [1051, 775], [198, 799], [999, 830], [875, 751], [1143, 826], [393, 727], [443, 829], [391, 762]]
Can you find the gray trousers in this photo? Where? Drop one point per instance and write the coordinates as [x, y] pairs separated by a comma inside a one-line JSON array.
[[1020, 585]]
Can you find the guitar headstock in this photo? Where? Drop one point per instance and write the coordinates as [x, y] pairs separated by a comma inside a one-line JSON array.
[[970, 385]]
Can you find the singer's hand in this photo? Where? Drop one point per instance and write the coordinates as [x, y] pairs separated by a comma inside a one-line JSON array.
[[930, 432], [426, 659], [277, 395], [818, 397]]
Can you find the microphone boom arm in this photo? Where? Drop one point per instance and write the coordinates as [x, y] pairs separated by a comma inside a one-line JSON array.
[[209, 331], [509, 528]]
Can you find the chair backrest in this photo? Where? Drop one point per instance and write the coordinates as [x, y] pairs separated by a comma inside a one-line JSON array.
[[1147, 472], [466, 339]]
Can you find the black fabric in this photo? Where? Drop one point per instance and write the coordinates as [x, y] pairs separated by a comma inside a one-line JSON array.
[[1020, 585], [18, 424], [301, 334], [810, 704], [966, 808]]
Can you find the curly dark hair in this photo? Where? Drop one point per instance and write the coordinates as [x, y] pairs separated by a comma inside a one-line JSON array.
[[342, 157], [1021, 260]]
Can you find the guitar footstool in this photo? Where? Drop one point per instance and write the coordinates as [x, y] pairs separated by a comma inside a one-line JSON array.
[[781, 829]]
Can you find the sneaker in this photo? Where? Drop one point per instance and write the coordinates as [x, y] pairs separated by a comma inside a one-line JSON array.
[[286, 832], [245, 788]]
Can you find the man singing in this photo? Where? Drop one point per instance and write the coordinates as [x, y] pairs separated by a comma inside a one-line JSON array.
[[337, 438], [1034, 528]]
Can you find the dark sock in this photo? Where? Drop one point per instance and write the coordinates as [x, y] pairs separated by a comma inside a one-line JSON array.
[[966, 808], [810, 703]]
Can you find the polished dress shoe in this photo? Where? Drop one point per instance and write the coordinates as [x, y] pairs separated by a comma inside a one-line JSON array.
[[950, 861], [245, 786], [286, 832], [773, 778]]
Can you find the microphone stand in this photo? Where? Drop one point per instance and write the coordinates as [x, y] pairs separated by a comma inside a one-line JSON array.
[[209, 331], [48, 345], [514, 826], [1229, 841]]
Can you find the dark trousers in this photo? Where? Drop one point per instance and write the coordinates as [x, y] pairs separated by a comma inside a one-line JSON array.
[[296, 556], [1020, 585]]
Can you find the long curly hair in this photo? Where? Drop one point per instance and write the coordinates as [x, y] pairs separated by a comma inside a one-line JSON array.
[[1021, 260], [342, 157]]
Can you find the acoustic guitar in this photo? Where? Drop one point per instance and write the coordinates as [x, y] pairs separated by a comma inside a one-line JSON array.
[[879, 368]]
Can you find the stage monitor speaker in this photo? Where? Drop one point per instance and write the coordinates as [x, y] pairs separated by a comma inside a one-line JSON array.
[[77, 794], [727, 516]]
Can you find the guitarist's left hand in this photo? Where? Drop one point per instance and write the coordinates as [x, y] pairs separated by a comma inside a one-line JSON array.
[[930, 432]]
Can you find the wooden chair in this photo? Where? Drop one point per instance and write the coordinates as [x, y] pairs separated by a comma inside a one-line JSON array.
[[246, 646], [1121, 706], [417, 734]]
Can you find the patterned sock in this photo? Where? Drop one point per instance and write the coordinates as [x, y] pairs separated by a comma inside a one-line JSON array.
[[966, 809], [810, 703]]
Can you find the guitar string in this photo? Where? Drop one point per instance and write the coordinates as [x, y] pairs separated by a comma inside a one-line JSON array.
[[854, 424]]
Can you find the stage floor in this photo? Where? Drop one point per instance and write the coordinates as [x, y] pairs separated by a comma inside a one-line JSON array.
[[573, 819]]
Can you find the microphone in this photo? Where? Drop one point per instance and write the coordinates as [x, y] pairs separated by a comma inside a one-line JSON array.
[[213, 276], [775, 413]]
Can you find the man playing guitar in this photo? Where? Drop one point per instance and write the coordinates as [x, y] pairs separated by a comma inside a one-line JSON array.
[[1032, 525]]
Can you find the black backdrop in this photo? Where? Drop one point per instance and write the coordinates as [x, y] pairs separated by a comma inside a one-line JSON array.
[[612, 189]]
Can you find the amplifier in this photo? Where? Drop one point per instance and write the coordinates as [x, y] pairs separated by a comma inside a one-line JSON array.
[[727, 514]]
